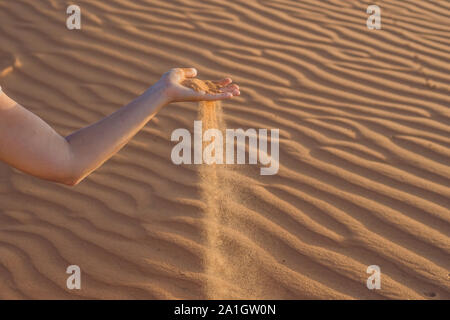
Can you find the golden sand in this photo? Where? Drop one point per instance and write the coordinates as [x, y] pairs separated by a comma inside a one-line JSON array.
[[364, 152]]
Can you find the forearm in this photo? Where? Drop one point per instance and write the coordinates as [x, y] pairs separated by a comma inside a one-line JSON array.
[[90, 147], [29, 144]]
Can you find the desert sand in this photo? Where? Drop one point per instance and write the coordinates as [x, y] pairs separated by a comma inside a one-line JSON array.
[[364, 175]]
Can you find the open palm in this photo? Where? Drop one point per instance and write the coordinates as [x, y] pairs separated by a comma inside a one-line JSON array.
[[173, 81]]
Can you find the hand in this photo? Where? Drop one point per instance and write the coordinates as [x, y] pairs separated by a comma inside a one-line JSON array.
[[176, 92]]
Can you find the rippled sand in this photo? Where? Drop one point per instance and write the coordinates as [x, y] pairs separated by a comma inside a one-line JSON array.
[[364, 152]]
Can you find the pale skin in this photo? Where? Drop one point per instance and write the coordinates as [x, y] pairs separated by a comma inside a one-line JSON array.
[[29, 144]]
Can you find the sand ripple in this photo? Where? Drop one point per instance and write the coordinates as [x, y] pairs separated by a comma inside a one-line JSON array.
[[364, 153]]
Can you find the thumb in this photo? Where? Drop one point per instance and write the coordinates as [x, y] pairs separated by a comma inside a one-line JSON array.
[[189, 72]]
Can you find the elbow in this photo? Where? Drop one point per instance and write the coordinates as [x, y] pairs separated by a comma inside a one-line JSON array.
[[72, 181], [71, 174], [62, 178]]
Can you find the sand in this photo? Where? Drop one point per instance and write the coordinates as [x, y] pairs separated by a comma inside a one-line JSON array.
[[364, 152]]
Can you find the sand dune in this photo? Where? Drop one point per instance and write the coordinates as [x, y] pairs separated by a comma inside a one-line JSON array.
[[364, 172]]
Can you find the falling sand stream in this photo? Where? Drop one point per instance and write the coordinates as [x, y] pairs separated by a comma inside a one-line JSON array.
[[229, 265]]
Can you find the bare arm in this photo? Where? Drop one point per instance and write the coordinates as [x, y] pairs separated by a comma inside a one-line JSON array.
[[31, 145]]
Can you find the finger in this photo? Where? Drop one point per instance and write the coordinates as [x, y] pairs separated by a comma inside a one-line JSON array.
[[179, 74], [203, 96], [192, 95], [189, 72], [230, 88], [215, 96], [223, 82], [234, 89]]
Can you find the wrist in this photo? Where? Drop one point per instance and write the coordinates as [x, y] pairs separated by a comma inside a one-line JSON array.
[[159, 94]]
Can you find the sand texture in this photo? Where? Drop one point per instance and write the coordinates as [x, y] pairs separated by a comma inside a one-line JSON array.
[[364, 175]]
